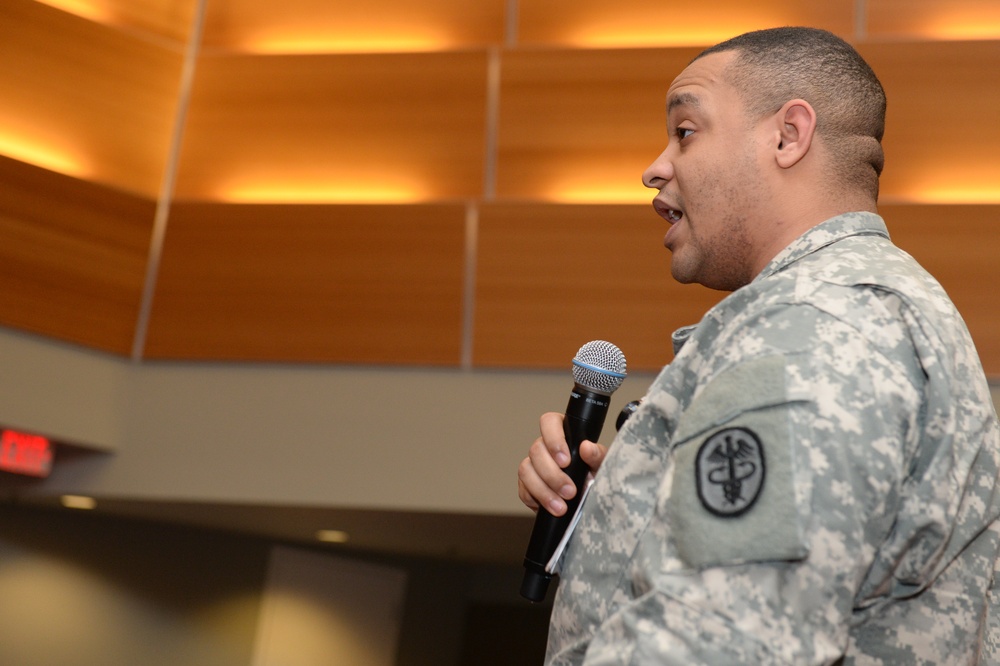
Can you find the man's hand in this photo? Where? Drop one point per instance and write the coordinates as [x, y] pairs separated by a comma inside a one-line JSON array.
[[540, 479]]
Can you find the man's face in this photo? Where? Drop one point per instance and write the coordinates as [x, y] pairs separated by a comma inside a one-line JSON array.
[[708, 178]]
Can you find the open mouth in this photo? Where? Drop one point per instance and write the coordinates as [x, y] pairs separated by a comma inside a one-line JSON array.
[[668, 213]]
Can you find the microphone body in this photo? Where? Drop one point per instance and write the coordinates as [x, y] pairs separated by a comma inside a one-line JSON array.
[[588, 406]]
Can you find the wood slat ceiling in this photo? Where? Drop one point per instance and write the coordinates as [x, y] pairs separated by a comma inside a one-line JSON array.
[[942, 121], [168, 21], [582, 125], [933, 19], [372, 128], [84, 99], [320, 26], [264, 26], [324, 186], [639, 23], [72, 258]]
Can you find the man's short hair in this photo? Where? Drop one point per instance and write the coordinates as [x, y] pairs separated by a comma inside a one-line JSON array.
[[780, 64]]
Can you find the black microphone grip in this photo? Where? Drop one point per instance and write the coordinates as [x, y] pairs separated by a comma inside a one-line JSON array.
[[584, 420]]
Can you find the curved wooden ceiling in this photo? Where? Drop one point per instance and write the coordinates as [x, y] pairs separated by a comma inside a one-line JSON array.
[[448, 183]]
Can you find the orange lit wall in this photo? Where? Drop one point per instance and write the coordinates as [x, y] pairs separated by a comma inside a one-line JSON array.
[[312, 181]]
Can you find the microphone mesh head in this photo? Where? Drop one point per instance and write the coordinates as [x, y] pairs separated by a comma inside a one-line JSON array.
[[599, 366]]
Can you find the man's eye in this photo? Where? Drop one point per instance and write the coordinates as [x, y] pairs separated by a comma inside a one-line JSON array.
[[683, 133]]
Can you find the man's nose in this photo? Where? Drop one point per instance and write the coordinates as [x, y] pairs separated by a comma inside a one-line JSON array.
[[659, 173]]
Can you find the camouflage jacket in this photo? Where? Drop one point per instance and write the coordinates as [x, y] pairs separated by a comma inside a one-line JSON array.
[[812, 480]]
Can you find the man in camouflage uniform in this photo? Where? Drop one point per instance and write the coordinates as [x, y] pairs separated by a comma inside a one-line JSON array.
[[813, 479]]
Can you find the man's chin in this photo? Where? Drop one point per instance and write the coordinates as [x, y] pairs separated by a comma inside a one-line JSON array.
[[681, 273]]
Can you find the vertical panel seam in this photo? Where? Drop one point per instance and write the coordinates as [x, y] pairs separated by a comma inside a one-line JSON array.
[[511, 20], [469, 283], [491, 130], [165, 198], [860, 20]]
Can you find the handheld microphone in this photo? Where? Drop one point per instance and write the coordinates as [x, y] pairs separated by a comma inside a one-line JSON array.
[[598, 369]]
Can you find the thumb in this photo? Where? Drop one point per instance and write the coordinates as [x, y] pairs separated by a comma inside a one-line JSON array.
[[593, 454]]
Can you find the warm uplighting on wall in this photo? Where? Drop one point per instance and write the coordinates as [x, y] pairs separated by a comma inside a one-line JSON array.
[[592, 186], [636, 23], [982, 23], [950, 195], [304, 41], [304, 192], [87, 9], [599, 195], [653, 35], [41, 155], [978, 182], [963, 31]]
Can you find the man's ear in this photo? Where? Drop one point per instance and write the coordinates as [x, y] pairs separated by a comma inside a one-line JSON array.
[[796, 122]]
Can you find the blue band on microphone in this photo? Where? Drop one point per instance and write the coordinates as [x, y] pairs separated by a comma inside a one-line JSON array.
[[595, 368]]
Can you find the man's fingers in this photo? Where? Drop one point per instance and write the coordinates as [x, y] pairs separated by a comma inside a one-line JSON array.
[[554, 437], [541, 481], [534, 492], [549, 470]]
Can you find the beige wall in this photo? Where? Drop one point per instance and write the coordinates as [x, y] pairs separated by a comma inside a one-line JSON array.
[[337, 436]]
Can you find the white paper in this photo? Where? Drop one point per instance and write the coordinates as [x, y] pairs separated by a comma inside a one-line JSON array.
[[553, 565]]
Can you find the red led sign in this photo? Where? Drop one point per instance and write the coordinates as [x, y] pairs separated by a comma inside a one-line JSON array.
[[22, 453]]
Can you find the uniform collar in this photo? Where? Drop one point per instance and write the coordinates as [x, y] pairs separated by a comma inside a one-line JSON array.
[[836, 228], [823, 234]]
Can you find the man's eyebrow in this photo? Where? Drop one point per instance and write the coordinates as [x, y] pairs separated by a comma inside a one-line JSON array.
[[683, 99]]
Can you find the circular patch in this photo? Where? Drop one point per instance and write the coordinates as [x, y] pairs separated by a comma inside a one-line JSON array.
[[729, 471]]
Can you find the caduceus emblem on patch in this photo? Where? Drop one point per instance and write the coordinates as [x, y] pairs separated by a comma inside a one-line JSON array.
[[729, 471]]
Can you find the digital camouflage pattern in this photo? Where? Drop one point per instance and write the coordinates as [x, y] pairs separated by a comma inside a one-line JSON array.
[[812, 480]]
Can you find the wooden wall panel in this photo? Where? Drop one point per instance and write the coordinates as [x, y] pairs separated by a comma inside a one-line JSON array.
[[933, 19], [582, 126], [84, 99], [381, 128], [597, 23], [943, 120], [553, 277], [280, 114], [326, 26], [960, 246], [72, 257], [352, 284]]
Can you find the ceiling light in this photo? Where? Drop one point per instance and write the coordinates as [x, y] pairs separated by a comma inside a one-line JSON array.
[[332, 536], [78, 502]]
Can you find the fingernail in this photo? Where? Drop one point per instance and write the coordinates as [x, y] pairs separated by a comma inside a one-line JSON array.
[[567, 491], [556, 506], [562, 459]]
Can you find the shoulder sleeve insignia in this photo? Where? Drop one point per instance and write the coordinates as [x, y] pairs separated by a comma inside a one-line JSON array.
[[729, 471]]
